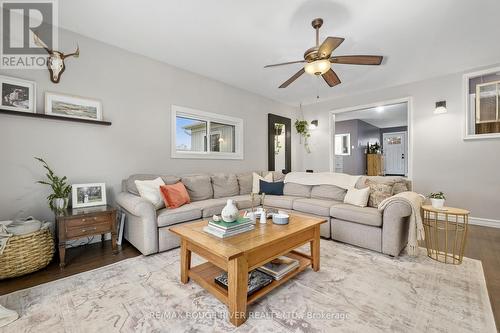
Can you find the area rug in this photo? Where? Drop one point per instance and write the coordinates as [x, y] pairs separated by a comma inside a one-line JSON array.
[[356, 290]]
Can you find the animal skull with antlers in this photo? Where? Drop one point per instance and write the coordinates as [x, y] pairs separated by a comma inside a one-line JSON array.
[[55, 62]]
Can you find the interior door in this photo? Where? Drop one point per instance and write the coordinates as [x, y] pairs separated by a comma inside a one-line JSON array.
[[395, 153]]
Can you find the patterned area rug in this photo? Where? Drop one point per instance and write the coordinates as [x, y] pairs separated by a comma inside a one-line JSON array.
[[356, 290]]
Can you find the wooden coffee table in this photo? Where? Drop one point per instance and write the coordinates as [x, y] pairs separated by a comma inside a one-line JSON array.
[[242, 253]]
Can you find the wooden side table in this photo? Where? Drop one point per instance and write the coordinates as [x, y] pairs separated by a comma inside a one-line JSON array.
[[445, 233], [84, 222]]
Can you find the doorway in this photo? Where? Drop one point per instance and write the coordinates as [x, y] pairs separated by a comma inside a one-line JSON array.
[[379, 139]]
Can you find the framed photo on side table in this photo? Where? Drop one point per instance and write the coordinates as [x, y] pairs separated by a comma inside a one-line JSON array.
[[72, 106], [87, 195], [17, 95]]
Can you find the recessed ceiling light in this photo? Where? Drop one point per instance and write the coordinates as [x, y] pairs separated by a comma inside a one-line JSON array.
[[379, 108]]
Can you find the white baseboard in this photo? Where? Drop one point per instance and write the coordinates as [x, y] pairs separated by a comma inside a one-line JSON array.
[[484, 222], [477, 221]]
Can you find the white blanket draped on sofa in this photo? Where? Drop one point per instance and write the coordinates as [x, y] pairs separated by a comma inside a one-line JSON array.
[[341, 180]]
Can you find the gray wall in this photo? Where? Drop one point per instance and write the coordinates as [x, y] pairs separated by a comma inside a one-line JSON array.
[[137, 94], [467, 171], [361, 133]]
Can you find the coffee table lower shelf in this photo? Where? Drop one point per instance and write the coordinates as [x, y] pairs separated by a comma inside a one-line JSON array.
[[204, 274]]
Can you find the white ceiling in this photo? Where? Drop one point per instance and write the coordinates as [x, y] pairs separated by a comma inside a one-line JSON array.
[[231, 40], [392, 115]]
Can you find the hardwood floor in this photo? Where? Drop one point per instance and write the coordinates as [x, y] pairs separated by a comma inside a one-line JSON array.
[[483, 244], [78, 259]]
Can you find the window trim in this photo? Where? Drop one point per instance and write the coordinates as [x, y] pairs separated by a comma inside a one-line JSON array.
[[209, 117], [348, 136], [466, 100]]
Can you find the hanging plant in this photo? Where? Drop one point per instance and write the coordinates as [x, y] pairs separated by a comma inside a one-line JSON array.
[[302, 128]]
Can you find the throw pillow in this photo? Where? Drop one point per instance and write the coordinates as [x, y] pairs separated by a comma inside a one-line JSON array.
[[150, 190], [357, 197], [378, 192], [399, 187], [175, 195], [257, 178], [275, 188]]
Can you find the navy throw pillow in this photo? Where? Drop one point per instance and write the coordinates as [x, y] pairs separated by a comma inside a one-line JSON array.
[[275, 188]]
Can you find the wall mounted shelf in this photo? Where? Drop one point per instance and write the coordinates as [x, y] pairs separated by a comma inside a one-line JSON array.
[[48, 116]]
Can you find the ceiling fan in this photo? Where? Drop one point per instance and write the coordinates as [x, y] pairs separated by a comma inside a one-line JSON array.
[[318, 59]]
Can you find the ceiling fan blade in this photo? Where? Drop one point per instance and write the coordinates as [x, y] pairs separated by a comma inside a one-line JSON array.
[[331, 78], [357, 60], [285, 63], [293, 78], [330, 44]]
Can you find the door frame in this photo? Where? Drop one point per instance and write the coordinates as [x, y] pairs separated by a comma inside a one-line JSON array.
[[405, 133], [409, 102]]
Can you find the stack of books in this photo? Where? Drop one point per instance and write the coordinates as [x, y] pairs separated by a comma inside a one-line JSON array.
[[256, 281], [279, 267], [223, 229]]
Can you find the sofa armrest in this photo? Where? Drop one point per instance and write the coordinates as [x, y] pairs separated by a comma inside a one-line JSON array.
[[135, 204], [395, 227], [141, 225]]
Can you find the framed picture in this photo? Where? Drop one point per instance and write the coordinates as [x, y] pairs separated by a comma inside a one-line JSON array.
[[72, 106], [17, 94], [87, 195]]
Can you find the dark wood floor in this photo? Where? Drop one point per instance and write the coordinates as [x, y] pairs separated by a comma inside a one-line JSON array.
[[482, 244], [78, 259]]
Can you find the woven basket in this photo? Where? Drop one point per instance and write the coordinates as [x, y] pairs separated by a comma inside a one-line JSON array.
[[27, 253]]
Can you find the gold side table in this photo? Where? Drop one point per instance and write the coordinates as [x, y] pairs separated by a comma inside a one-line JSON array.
[[445, 233]]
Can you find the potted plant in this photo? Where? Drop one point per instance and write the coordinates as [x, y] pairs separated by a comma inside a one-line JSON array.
[[374, 148], [437, 199], [302, 128], [58, 199]]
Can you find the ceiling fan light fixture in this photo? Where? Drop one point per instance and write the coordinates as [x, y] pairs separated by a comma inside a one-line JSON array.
[[318, 67]]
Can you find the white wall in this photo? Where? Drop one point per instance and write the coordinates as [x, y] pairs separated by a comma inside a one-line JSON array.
[[136, 93], [467, 171]]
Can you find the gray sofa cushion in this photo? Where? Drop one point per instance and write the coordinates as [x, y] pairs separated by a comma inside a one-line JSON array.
[[132, 188], [280, 201], [184, 213], [329, 192], [212, 207], [199, 187], [245, 181], [297, 190], [363, 215], [278, 176], [225, 185], [314, 206]]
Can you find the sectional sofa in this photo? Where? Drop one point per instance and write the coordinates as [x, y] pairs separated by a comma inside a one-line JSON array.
[[379, 230]]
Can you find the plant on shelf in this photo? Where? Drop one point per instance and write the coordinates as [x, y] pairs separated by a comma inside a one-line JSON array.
[[302, 127], [58, 199], [374, 148], [437, 199]]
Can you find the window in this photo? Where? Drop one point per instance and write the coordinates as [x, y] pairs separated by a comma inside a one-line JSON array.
[[199, 134], [343, 144], [482, 94]]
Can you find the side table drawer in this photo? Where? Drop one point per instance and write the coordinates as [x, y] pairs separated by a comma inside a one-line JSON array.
[[89, 229], [79, 222]]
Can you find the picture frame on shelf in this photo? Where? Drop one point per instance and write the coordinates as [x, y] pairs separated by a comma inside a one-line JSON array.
[[70, 106], [88, 195], [17, 94]]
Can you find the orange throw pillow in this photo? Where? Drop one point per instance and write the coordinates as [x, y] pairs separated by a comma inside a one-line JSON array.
[[175, 195]]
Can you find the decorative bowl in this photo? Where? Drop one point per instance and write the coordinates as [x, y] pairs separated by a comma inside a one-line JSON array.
[[280, 218]]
